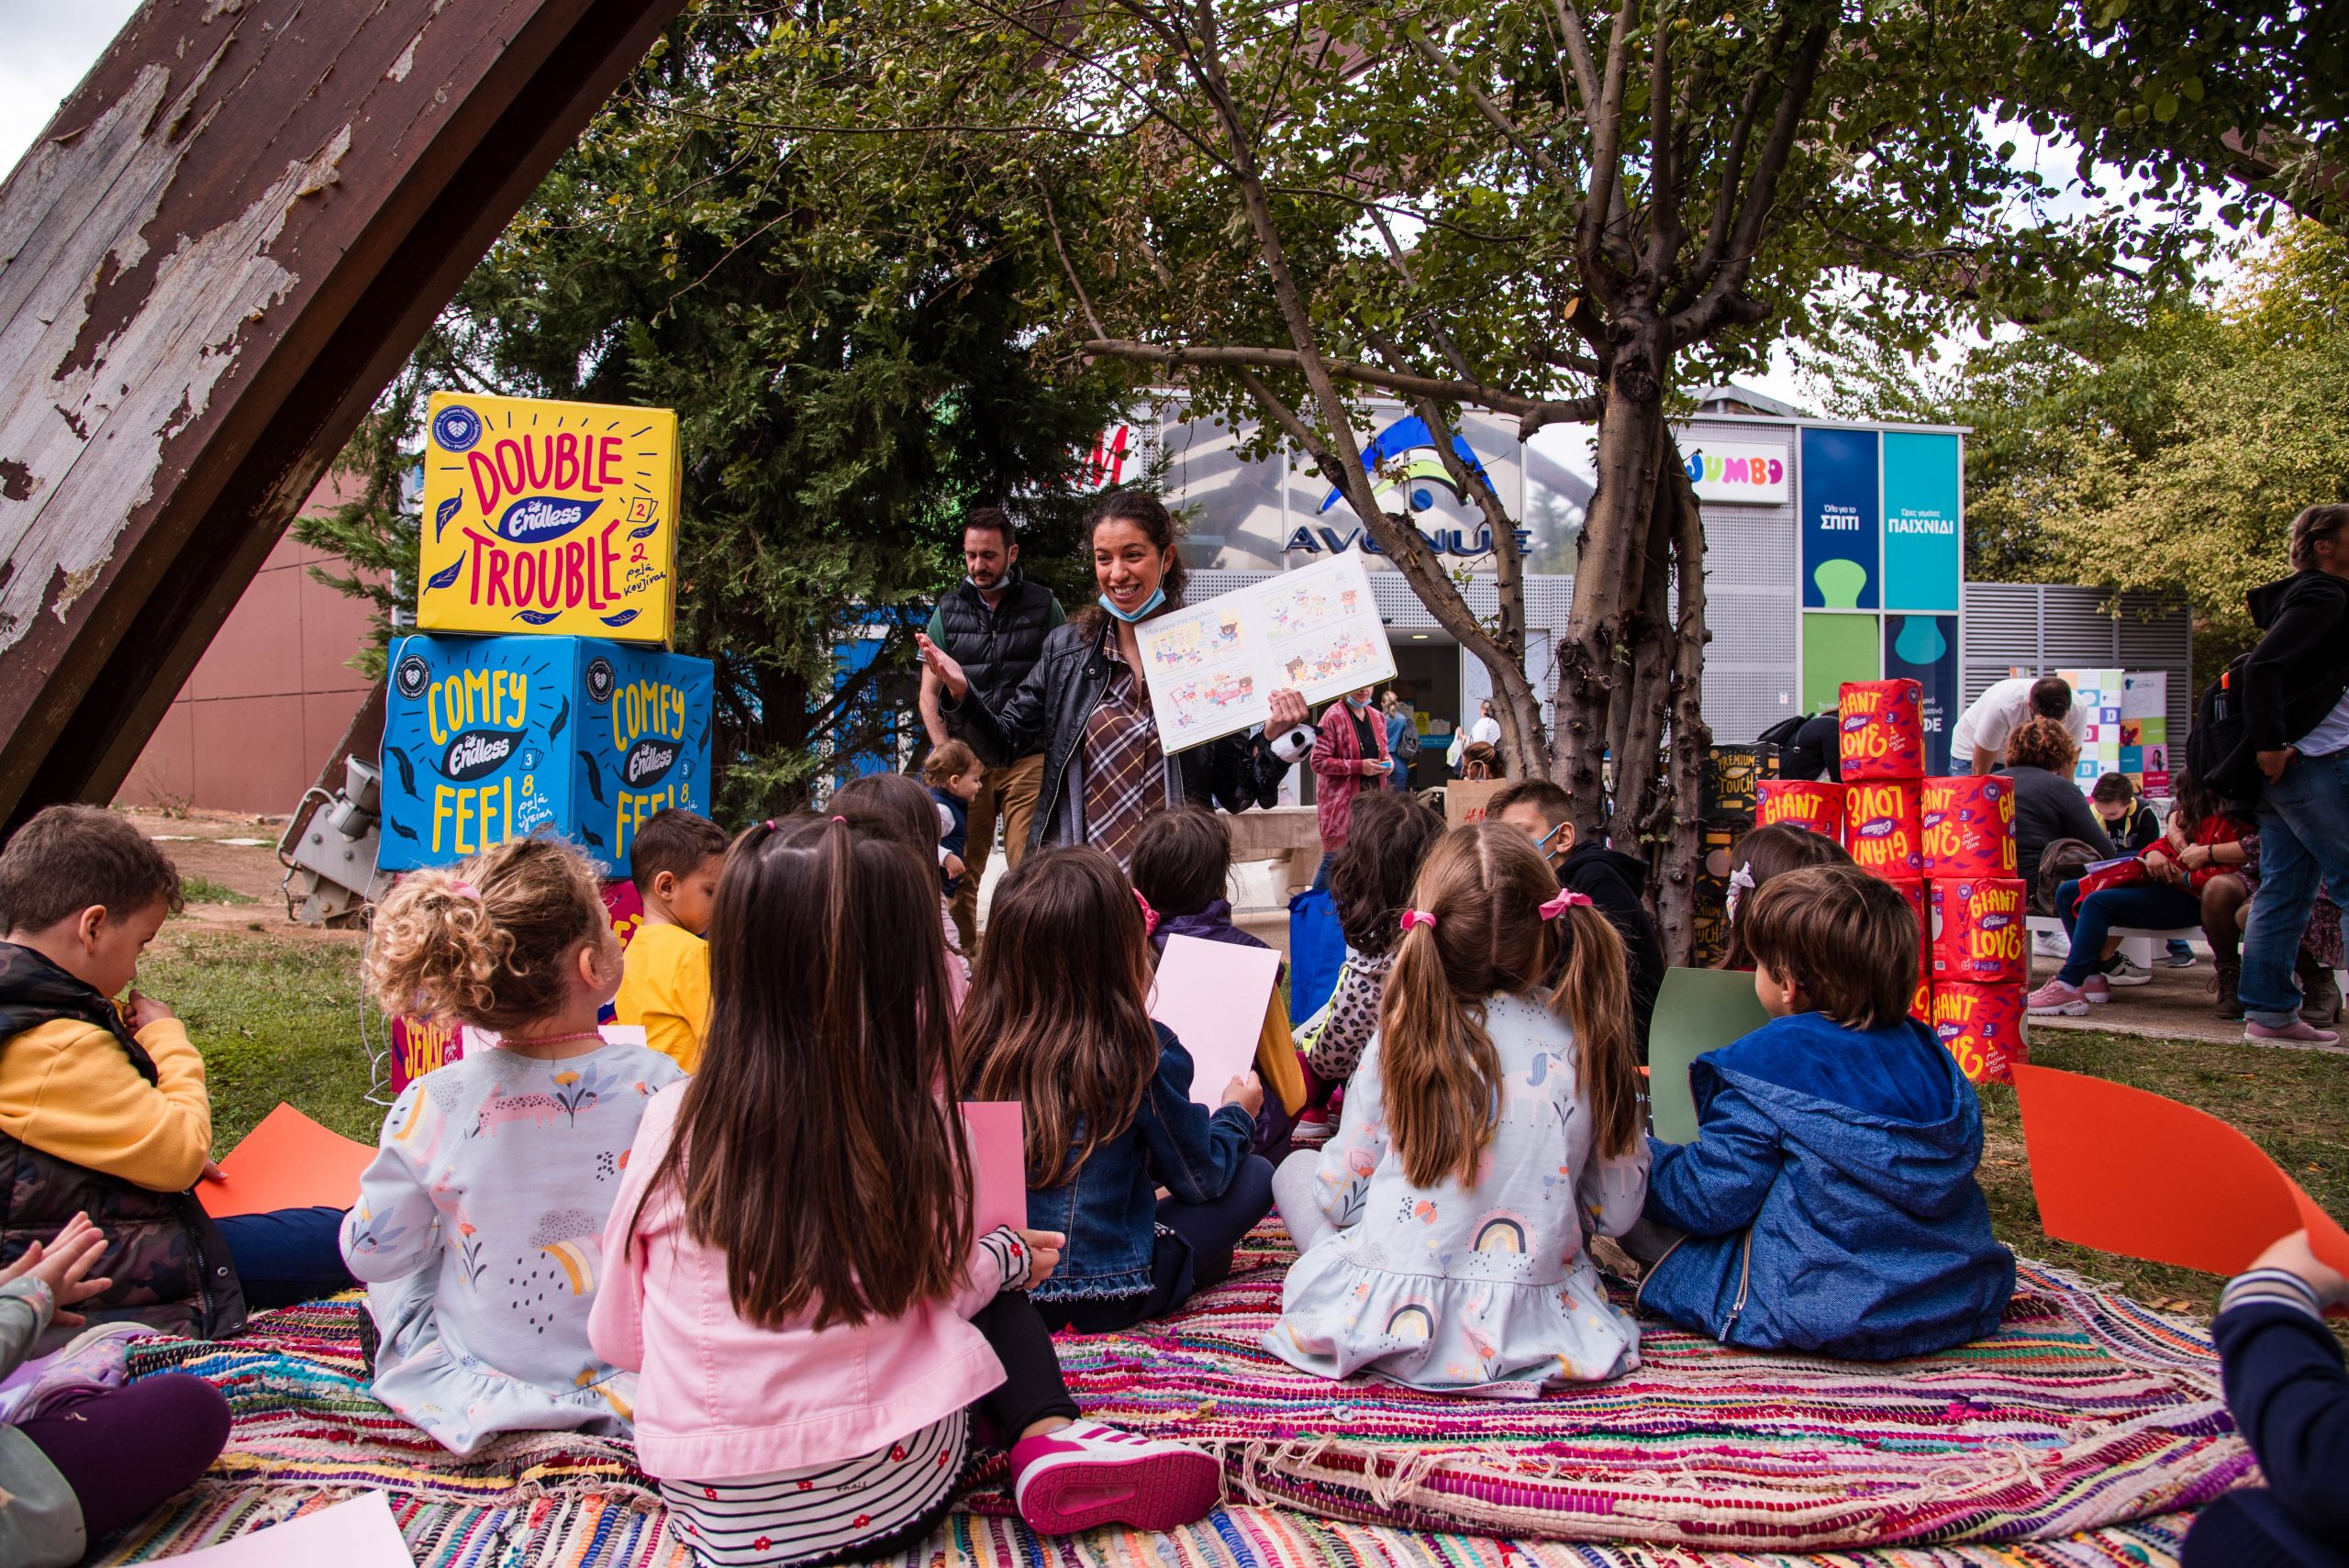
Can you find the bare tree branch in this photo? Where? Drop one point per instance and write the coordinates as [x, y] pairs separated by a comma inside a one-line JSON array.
[[1710, 307], [1578, 54], [1060, 250], [1598, 245], [1532, 413]]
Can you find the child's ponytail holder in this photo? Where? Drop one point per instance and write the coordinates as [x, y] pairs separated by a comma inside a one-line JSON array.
[[1567, 898], [465, 890], [1739, 881], [1148, 915], [1418, 917]]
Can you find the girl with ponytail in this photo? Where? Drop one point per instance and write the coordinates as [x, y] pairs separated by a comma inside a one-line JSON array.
[[792, 1267], [1491, 1130]]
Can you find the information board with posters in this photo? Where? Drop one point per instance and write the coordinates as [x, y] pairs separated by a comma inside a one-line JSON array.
[[553, 517]]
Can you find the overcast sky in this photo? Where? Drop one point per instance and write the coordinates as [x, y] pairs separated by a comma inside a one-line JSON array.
[[51, 44]]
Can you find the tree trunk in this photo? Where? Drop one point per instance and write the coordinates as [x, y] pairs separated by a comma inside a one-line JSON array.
[[1614, 534], [1642, 702], [1682, 841]]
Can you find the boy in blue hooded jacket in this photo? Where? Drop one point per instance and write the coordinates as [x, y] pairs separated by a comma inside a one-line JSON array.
[[1829, 1203]]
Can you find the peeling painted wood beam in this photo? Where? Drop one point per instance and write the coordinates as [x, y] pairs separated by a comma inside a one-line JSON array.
[[217, 253]]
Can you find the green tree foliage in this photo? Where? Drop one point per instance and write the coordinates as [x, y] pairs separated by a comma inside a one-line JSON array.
[[844, 333], [2159, 448]]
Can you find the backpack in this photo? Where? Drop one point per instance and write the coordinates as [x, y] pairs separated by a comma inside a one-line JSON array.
[[1782, 734], [1407, 747], [2218, 750], [2064, 860]]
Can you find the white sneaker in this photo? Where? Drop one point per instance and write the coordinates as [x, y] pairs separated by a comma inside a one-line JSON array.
[[2127, 970], [2054, 944]]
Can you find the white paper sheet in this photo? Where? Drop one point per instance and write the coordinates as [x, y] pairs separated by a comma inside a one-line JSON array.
[[360, 1533], [1213, 667]]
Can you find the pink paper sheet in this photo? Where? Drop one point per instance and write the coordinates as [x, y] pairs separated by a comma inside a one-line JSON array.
[[1213, 995]]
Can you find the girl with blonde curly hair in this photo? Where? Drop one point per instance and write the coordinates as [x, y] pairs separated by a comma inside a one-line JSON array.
[[479, 1227]]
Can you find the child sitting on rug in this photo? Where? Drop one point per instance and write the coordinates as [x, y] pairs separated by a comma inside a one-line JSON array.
[[1761, 856], [68, 1478], [1491, 1128], [2289, 1396], [1182, 866], [893, 806], [480, 1222], [102, 1106], [674, 860], [1059, 1020], [792, 1266], [1829, 1203], [1370, 887]]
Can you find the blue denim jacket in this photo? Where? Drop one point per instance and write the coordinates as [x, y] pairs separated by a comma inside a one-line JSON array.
[[1108, 1208]]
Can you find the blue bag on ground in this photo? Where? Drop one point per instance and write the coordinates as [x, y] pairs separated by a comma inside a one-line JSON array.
[[1317, 952]]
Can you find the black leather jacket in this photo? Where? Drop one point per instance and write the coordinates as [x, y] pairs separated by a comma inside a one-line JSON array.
[[1048, 712]]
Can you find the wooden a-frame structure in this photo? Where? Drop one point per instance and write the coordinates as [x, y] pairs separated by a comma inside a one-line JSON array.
[[217, 253]]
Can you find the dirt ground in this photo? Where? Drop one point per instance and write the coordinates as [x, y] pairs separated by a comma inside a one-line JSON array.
[[239, 854]]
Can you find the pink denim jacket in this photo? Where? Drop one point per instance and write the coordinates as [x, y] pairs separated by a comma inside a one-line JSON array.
[[718, 1398]]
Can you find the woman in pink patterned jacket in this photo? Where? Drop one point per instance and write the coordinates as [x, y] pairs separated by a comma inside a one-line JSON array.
[[1349, 755]]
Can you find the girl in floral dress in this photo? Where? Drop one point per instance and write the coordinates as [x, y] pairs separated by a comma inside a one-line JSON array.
[[479, 1227], [1491, 1130]]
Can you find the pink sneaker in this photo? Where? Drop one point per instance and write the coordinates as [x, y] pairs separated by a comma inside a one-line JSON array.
[[2097, 988], [2056, 999], [1087, 1475], [2298, 1032]]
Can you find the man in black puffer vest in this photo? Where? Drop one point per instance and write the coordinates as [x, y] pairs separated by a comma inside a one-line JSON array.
[[2296, 717], [994, 623]]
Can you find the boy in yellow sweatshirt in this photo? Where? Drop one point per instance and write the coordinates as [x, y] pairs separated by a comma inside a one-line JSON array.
[[664, 984], [103, 1109]]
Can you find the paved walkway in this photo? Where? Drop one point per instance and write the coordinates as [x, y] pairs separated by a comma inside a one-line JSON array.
[[2178, 1004]]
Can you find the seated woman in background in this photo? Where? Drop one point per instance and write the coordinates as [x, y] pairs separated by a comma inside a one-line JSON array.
[[2048, 804], [2203, 841]]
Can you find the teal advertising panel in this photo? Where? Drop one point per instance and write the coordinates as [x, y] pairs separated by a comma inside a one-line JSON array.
[[1836, 648], [1923, 649], [1922, 561], [1840, 543]]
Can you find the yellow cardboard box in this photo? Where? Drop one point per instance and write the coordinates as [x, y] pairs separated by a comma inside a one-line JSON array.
[[557, 518]]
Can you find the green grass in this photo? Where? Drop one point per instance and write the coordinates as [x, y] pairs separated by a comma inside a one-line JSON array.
[[204, 890], [2293, 1104], [279, 1020], [276, 1020]]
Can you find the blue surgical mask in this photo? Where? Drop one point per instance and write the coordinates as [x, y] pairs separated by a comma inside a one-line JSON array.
[[1157, 597], [1357, 703]]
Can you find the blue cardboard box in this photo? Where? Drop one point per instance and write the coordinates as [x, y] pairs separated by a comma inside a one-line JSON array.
[[487, 738]]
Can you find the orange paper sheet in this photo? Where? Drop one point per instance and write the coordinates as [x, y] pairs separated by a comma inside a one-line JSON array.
[[2125, 1170], [288, 1161]]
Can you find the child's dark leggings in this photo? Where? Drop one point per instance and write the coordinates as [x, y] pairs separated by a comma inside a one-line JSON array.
[[1031, 1388], [1197, 1256], [124, 1450]]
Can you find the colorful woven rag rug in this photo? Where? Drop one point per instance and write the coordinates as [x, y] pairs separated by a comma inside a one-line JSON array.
[[2082, 1433]]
